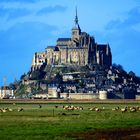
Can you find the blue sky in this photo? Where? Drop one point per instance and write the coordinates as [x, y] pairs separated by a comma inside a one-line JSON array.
[[28, 26]]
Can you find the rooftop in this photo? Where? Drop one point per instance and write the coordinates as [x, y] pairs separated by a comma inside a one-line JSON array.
[[63, 39], [50, 47]]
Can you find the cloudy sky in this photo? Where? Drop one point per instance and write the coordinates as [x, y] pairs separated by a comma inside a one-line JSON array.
[[28, 26]]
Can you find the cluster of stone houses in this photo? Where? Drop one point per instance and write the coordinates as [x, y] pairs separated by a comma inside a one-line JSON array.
[[116, 85]]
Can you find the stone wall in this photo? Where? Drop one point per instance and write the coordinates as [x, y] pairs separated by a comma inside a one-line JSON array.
[[137, 97], [79, 96]]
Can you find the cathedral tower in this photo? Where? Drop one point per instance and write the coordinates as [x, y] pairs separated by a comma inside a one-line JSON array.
[[76, 31]]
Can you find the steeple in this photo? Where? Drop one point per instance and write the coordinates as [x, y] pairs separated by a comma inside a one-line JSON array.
[[76, 31], [76, 17]]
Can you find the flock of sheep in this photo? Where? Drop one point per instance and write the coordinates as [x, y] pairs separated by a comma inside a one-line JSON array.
[[127, 109], [19, 109], [97, 109], [72, 107]]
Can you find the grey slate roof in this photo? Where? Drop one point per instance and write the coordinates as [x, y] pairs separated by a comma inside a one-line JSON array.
[[50, 47], [63, 39]]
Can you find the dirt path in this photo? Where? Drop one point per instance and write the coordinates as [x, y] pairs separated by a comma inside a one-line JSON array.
[[115, 134]]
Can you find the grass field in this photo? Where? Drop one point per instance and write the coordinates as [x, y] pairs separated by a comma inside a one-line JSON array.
[[50, 123]]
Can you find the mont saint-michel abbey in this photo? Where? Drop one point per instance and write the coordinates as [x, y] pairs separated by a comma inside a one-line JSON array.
[[81, 49]]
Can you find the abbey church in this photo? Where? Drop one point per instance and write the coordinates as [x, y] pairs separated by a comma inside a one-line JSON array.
[[80, 49]]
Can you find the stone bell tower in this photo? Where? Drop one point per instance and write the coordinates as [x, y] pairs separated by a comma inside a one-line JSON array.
[[76, 31]]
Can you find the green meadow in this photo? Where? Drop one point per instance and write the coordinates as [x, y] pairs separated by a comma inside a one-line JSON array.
[[51, 123]]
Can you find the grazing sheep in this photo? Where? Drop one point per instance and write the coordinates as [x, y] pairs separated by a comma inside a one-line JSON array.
[[10, 109], [132, 109], [116, 108], [113, 109], [65, 107], [97, 109], [20, 109], [71, 107], [81, 108], [4, 110], [123, 110], [92, 109], [76, 108]]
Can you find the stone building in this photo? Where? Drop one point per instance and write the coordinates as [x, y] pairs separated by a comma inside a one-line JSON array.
[[79, 49], [38, 60], [6, 92]]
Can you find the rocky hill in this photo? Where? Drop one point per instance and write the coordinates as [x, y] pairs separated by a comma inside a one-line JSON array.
[[72, 78]]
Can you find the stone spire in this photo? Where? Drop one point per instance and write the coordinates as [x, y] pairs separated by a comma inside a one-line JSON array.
[[76, 17], [76, 31]]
